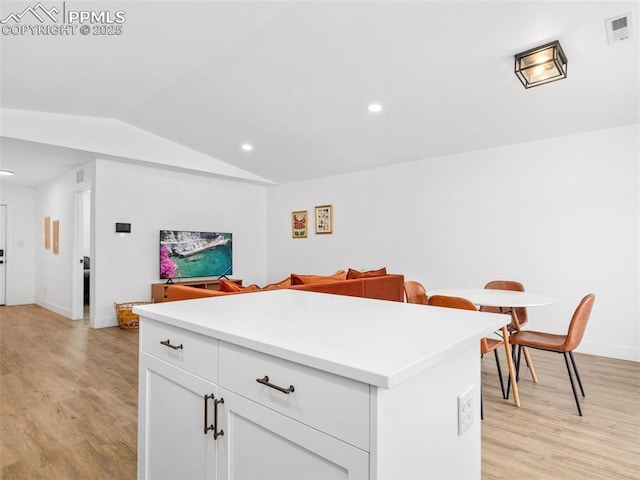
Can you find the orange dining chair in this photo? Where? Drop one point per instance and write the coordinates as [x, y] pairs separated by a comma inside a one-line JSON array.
[[486, 344], [521, 312], [564, 344], [518, 317], [415, 293]]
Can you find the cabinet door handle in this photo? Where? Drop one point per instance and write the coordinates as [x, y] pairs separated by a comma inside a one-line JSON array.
[[216, 433], [265, 381], [206, 414], [168, 344]]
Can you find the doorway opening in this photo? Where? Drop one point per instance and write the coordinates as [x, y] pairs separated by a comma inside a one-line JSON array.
[[3, 250], [82, 258]]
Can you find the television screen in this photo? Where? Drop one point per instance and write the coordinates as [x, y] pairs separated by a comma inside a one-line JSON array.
[[195, 254]]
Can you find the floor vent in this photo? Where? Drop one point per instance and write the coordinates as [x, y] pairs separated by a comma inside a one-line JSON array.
[[618, 28]]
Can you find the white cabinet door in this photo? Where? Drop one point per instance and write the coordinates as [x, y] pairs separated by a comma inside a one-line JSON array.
[[172, 443], [261, 443]]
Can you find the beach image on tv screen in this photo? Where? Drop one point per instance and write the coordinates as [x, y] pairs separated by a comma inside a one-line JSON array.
[[195, 254]]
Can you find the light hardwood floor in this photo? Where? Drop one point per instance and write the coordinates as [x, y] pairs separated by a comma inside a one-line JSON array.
[[68, 397], [68, 406]]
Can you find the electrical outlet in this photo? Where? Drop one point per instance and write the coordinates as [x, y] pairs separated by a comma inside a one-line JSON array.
[[466, 415]]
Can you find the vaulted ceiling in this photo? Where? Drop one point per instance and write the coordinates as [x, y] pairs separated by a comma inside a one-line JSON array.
[[294, 79]]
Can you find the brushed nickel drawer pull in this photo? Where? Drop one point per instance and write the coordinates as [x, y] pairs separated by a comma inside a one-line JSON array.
[[265, 381], [167, 343]]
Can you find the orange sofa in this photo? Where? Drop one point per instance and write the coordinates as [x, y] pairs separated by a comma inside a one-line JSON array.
[[383, 287]]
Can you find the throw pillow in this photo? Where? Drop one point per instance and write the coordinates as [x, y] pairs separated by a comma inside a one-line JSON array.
[[310, 279], [228, 286], [352, 273], [286, 282]]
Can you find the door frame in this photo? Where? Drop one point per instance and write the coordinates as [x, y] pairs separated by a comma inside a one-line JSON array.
[[77, 268], [3, 244]]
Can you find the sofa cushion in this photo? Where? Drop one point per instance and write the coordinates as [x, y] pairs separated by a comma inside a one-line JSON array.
[[311, 279], [229, 286], [352, 288], [185, 292], [387, 287], [284, 283], [352, 273]]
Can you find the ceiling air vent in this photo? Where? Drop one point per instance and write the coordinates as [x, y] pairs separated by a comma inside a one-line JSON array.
[[618, 28]]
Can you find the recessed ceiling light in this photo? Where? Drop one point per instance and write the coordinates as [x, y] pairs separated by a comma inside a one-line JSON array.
[[6, 172], [374, 107], [246, 147]]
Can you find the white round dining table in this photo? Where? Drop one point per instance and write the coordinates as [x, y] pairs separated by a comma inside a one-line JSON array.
[[488, 297]]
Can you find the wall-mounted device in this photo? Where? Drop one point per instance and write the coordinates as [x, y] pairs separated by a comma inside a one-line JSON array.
[[123, 228]]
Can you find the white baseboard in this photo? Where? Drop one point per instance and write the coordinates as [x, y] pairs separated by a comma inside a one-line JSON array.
[[612, 351], [105, 322], [20, 301], [65, 312]]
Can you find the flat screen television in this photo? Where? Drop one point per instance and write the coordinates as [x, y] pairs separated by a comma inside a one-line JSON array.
[[195, 254]]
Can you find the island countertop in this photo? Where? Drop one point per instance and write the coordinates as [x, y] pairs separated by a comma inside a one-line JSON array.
[[378, 342]]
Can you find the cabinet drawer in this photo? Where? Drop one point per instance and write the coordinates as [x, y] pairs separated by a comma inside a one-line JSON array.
[[332, 404], [198, 355]]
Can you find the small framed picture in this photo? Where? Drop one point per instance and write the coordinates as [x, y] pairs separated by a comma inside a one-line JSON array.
[[324, 219], [56, 237], [299, 224], [47, 232]]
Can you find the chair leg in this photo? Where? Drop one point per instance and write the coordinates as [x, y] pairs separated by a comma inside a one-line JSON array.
[[573, 386], [516, 362], [532, 370], [575, 370], [481, 404], [504, 394]]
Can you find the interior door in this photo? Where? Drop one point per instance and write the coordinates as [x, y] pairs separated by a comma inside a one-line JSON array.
[[3, 253]]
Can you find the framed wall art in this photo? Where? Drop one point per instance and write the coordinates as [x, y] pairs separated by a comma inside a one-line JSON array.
[[324, 219], [47, 233], [299, 224], [56, 237]]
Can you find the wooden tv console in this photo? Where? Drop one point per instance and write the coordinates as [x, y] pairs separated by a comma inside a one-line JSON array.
[[159, 290]]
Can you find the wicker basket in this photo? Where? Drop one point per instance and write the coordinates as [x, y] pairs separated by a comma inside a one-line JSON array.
[[126, 317]]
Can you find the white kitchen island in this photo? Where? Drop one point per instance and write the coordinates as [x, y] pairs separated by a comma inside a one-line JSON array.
[[289, 384]]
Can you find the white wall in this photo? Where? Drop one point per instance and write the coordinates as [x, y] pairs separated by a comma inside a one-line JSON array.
[[560, 215], [22, 239], [54, 273], [125, 265]]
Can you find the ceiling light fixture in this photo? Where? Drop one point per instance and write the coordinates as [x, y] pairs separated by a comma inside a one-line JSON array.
[[374, 107], [541, 65], [6, 172], [246, 147]]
